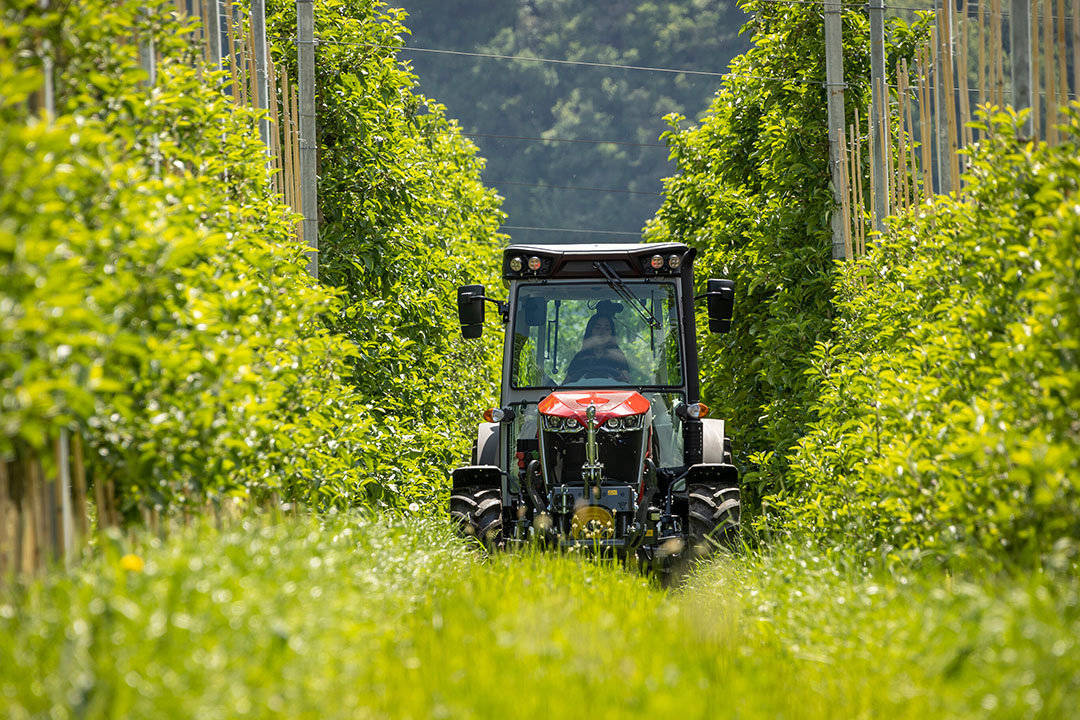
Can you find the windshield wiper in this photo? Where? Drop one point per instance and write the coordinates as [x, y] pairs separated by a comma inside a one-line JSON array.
[[617, 284]]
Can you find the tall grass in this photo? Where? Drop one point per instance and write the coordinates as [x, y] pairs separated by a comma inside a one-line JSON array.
[[349, 617]]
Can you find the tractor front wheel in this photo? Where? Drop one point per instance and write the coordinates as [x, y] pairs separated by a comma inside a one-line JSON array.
[[715, 513], [478, 513]]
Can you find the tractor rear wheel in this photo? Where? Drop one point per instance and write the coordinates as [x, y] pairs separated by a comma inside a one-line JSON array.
[[478, 513], [715, 513]]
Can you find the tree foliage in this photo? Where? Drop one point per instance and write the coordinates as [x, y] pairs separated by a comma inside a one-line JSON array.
[[155, 300], [404, 220], [753, 194], [948, 422]]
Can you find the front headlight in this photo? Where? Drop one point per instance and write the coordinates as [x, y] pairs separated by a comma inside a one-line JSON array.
[[624, 424], [554, 423]]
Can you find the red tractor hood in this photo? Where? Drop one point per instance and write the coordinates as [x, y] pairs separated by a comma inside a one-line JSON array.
[[608, 403]]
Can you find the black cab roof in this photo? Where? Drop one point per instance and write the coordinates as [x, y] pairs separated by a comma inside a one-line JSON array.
[[522, 262]]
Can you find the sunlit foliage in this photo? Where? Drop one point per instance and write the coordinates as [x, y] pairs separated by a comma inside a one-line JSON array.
[[154, 299], [949, 401], [752, 194]]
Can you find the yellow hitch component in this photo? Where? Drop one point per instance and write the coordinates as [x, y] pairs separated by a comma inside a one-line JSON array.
[[592, 522]]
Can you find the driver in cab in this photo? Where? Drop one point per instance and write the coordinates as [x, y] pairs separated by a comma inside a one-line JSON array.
[[600, 355]]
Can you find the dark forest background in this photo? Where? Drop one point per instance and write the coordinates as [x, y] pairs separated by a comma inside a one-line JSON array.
[[494, 97]]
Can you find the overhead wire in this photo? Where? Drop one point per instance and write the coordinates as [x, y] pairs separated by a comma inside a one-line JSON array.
[[571, 230], [496, 183], [564, 140], [405, 48], [579, 63], [495, 56], [972, 10], [616, 66], [641, 68], [813, 2]]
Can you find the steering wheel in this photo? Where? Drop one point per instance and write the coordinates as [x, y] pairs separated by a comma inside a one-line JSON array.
[[603, 368]]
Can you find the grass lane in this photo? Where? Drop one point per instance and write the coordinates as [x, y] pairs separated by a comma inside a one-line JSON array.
[[353, 618]]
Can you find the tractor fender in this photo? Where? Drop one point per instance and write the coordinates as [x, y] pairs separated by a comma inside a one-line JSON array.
[[712, 446], [486, 451]]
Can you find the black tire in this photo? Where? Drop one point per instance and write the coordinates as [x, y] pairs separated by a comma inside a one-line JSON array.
[[715, 513], [478, 513]]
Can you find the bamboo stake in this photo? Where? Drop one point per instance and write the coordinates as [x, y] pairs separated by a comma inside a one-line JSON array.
[[926, 129], [27, 561], [205, 27], [296, 162], [56, 517], [915, 199], [859, 182], [886, 148], [1036, 76], [937, 62], [1001, 55], [241, 54], [873, 159], [1076, 49], [110, 501], [845, 194], [965, 97], [854, 200], [47, 507], [991, 45], [856, 178], [991, 54], [18, 483], [78, 482], [903, 201], [276, 137], [233, 72], [51, 516], [249, 65], [983, 85], [919, 83], [909, 163], [999, 60], [948, 65], [44, 512], [1051, 83], [275, 118], [287, 154], [247, 72], [38, 538], [896, 149], [6, 542], [1063, 73], [860, 202], [99, 500]]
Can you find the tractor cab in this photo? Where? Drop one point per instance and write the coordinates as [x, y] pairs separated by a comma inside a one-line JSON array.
[[600, 438]]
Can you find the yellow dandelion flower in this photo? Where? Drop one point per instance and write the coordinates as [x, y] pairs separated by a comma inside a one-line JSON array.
[[134, 563]]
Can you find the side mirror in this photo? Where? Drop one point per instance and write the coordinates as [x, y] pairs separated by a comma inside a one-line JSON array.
[[720, 296], [470, 308]]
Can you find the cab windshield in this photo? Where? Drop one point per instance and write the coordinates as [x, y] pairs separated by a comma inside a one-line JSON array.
[[589, 335]]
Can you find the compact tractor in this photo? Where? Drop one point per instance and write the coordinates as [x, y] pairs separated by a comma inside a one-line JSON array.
[[601, 440]]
